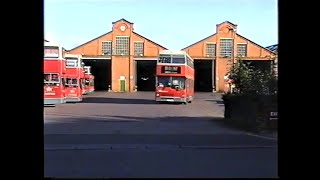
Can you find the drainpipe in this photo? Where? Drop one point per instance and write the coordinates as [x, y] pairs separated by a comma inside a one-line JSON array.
[[234, 45]]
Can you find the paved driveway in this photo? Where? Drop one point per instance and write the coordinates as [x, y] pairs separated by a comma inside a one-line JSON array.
[[130, 135]]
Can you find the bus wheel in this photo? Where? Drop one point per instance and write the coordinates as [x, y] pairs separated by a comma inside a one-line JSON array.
[[189, 101]]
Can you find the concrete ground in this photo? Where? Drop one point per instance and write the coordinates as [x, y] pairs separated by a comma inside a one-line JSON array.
[[130, 135]]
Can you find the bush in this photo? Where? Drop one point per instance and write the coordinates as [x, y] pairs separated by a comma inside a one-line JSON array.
[[250, 111], [254, 97], [249, 81]]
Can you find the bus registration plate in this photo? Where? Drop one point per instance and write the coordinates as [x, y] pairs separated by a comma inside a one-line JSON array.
[[170, 100]]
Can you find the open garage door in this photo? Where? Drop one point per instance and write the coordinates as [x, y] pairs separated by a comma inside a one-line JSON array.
[[101, 69], [204, 75], [146, 70]]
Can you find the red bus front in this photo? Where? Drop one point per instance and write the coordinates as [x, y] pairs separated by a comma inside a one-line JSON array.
[[174, 78], [89, 83], [54, 69], [53, 89], [73, 89], [74, 78]]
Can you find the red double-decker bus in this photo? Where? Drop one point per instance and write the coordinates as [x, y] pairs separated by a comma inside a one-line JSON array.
[[174, 77], [74, 78], [89, 80], [54, 71]]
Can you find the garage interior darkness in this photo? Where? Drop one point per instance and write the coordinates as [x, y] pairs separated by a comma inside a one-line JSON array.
[[203, 75], [101, 70], [264, 65], [146, 71]]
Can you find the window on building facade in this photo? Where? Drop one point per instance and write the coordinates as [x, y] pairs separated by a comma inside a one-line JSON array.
[[106, 47], [225, 47], [138, 48], [211, 49], [122, 45], [242, 50]]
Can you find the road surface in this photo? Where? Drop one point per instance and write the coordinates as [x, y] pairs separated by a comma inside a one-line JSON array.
[[129, 135]]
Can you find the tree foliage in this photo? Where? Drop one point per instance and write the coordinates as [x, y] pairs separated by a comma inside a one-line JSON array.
[[249, 81]]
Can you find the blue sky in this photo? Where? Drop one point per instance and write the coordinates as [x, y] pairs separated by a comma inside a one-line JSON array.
[[174, 24]]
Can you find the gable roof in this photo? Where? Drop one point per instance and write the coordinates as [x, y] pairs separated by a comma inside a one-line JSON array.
[[149, 40], [90, 41], [237, 35], [122, 19], [256, 44], [227, 22], [199, 41], [210, 35], [273, 48], [111, 32]]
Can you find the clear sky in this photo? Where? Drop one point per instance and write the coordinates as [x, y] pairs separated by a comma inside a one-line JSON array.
[[173, 24]]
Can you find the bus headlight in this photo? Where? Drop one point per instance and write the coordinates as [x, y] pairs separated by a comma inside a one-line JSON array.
[[157, 95]]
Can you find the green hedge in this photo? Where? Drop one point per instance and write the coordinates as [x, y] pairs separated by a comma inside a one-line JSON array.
[[250, 111]]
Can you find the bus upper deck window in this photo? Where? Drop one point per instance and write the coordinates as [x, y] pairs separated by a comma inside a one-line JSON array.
[[178, 60], [165, 59]]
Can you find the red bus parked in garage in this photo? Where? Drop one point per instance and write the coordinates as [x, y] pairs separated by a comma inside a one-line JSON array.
[[174, 77], [54, 70], [89, 80], [74, 78]]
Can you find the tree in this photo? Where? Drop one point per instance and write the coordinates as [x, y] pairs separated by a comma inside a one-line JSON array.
[[249, 81]]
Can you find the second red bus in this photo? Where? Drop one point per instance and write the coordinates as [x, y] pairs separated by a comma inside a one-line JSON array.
[[74, 84], [174, 77]]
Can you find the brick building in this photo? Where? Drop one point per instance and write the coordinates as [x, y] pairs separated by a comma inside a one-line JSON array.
[[225, 47], [123, 49]]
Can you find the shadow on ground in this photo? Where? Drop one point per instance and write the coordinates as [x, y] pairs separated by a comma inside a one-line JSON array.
[[118, 132], [114, 100], [219, 102], [61, 118], [117, 100]]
